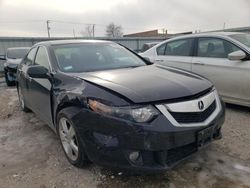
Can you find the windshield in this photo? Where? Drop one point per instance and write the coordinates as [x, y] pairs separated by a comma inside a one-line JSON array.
[[16, 53], [242, 38], [87, 57]]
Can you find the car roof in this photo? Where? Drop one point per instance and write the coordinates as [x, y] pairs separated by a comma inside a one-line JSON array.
[[76, 41], [214, 34], [219, 34]]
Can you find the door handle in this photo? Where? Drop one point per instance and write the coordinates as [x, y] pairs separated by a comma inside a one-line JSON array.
[[159, 60], [29, 78], [198, 63]]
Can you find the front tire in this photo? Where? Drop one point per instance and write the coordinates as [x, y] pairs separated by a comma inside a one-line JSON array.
[[70, 141]]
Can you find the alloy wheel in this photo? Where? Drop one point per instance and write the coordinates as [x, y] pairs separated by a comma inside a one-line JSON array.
[[68, 139]]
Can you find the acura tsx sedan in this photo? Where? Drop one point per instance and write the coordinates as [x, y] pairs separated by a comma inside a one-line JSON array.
[[111, 107]]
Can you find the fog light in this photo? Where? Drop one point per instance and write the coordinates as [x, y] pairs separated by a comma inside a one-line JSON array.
[[133, 156]]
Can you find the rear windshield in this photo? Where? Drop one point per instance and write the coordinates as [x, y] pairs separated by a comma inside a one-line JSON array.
[[86, 57], [16, 53], [242, 38]]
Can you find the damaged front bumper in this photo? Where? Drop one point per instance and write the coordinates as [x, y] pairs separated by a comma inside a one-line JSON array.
[[154, 146], [11, 72]]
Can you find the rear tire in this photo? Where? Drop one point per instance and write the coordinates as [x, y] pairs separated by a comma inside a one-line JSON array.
[[70, 140], [21, 100]]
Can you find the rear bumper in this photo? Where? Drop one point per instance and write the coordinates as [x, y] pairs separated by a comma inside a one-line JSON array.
[[161, 145]]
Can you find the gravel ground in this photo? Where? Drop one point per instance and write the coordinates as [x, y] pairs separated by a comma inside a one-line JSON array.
[[30, 156]]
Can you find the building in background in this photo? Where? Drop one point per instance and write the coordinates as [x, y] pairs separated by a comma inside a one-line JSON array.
[[151, 33], [155, 33], [237, 29], [165, 34], [134, 41]]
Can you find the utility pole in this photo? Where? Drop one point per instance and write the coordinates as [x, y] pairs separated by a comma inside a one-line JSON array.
[[93, 30], [224, 25], [74, 34], [48, 28]]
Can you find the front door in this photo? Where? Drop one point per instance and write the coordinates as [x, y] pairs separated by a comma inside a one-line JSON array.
[[231, 78], [40, 88]]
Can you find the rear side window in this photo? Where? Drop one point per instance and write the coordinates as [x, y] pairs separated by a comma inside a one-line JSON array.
[[42, 57], [182, 47], [215, 47], [161, 49], [30, 57]]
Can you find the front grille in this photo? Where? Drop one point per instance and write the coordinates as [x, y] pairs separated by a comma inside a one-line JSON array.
[[176, 154], [168, 157], [194, 117]]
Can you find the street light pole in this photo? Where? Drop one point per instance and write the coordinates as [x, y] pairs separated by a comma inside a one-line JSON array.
[[93, 30]]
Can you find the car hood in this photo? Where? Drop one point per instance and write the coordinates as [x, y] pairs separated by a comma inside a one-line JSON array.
[[148, 83]]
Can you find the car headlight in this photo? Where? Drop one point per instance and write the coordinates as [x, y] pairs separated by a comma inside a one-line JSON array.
[[137, 114]]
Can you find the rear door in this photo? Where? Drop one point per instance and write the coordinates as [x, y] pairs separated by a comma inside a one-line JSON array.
[[23, 77], [231, 78], [175, 53]]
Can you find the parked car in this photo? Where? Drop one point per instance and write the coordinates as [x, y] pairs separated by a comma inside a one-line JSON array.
[[13, 57], [223, 58], [110, 106]]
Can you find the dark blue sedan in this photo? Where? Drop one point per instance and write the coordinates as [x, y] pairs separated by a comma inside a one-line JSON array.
[[112, 107]]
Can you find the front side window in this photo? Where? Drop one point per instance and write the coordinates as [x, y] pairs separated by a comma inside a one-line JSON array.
[[182, 47], [215, 47], [30, 57], [85, 57], [42, 58]]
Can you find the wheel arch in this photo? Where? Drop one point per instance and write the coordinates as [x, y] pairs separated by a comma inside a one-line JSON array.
[[68, 108]]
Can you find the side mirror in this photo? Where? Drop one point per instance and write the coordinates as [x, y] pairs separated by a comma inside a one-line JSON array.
[[2, 57], [237, 55], [38, 71], [147, 60]]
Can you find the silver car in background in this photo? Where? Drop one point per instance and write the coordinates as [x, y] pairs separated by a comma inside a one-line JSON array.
[[223, 58]]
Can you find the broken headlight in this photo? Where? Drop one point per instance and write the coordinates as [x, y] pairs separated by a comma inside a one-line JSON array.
[[136, 114]]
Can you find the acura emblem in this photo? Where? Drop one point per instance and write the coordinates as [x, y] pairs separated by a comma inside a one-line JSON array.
[[201, 105]]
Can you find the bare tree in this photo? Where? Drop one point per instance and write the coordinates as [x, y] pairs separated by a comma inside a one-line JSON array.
[[113, 30], [89, 31]]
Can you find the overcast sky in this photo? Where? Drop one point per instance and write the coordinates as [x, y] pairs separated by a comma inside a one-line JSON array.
[[28, 17]]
